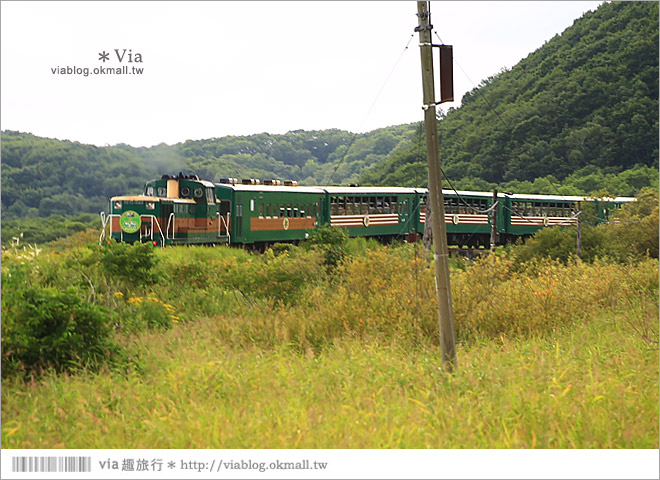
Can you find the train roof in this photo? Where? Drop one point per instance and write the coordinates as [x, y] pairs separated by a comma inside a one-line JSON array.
[[346, 190], [566, 198], [145, 198], [368, 190], [531, 196], [271, 188]]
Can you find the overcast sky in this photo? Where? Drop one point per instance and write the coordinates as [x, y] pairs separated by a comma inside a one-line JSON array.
[[212, 69]]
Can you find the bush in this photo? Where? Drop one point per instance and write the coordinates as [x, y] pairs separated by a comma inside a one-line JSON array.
[[634, 232], [331, 241], [43, 328], [560, 243], [132, 263]]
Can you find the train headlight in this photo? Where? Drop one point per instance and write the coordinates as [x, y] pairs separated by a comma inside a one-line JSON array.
[[118, 205], [150, 205]]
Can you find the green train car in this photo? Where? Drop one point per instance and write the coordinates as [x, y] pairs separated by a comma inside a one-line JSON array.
[[185, 210]]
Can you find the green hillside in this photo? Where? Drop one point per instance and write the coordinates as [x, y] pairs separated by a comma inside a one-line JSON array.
[[42, 176], [582, 109]]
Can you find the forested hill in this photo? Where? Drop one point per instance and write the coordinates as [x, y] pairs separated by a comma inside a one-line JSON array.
[[42, 176], [581, 109], [578, 115]]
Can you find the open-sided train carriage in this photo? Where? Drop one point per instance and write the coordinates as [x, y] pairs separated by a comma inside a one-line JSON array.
[[185, 210]]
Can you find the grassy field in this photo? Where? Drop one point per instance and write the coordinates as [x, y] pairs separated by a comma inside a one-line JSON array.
[[276, 351]]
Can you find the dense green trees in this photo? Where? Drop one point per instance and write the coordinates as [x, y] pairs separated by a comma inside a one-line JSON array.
[[584, 104], [43, 177]]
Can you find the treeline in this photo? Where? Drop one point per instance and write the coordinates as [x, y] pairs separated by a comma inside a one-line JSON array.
[[580, 110], [409, 169], [310, 157], [43, 177]]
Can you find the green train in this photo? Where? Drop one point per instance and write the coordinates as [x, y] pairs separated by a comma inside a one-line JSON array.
[[186, 210]]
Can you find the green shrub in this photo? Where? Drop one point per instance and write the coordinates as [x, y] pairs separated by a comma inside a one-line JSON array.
[[634, 230], [560, 243], [43, 328], [331, 241], [132, 263]]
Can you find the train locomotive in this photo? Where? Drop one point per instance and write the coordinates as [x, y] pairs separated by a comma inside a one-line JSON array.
[[186, 210]]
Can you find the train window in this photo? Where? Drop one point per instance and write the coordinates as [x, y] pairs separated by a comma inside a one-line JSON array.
[[289, 211], [268, 210], [150, 191], [295, 211], [261, 210], [451, 205], [282, 211], [386, 205], [210, 198], [463, 206], [161, 192], [341, 206]]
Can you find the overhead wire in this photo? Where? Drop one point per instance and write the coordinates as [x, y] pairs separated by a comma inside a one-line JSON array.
[[355, 135]]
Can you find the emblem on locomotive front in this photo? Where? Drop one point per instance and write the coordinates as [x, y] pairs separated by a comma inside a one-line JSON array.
[[130, 221]]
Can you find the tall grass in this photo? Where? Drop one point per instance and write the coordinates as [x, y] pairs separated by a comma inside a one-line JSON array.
[[274, 351], [593, 387]]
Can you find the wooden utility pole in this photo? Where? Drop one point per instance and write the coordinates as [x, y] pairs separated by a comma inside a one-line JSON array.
[[494, 236], [435, 200]]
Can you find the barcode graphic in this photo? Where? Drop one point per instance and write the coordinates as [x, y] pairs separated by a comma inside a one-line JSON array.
[[51, 464]]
